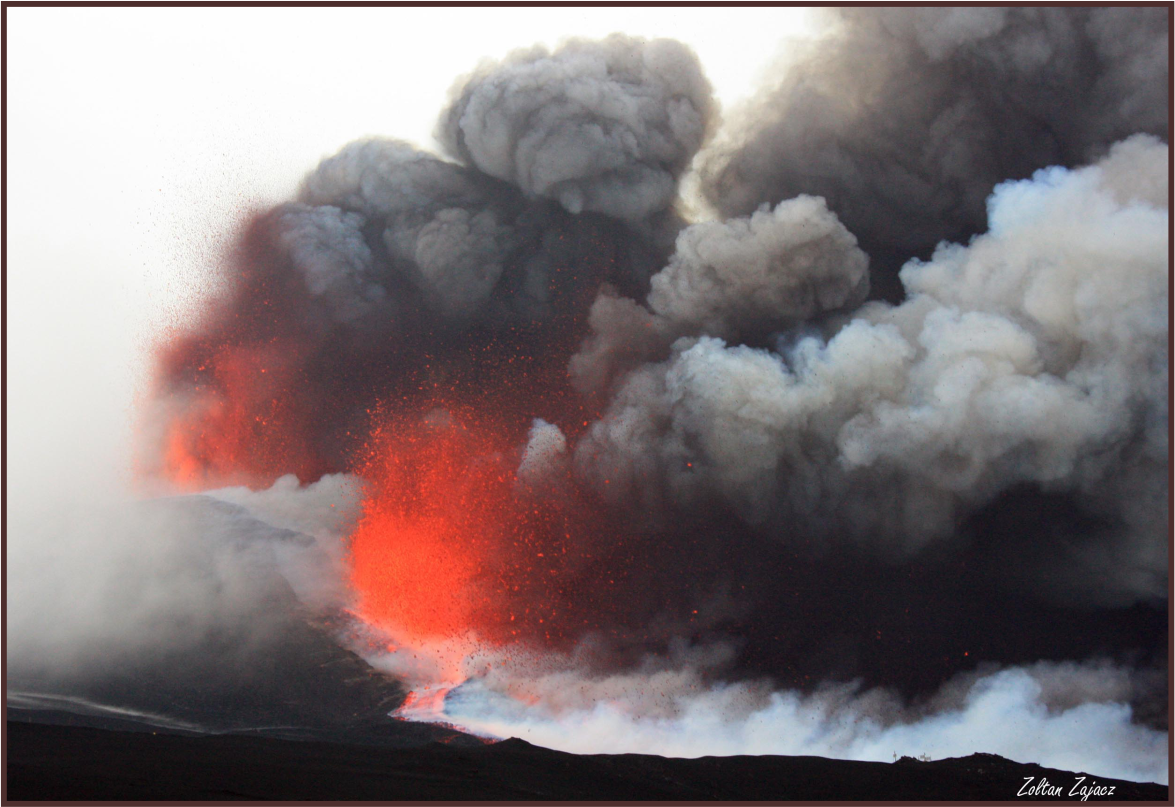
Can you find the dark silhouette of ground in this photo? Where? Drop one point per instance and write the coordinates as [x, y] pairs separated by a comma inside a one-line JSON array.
[[56, 762]]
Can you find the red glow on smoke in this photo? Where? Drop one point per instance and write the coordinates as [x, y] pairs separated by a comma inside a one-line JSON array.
[[450, 549], [427, 702], [238, 423], [265, 383], [235, 403]]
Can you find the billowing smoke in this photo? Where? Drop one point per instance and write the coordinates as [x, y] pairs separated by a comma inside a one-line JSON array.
[[771, 270], [574, 466], [1044, 712], [597, 126], [186, 611], [1037, 354], [905, 119]]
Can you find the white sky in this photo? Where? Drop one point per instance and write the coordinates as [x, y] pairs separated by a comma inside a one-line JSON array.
[[136, 136]]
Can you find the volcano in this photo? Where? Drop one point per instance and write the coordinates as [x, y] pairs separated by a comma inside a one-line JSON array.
[[826, 436]]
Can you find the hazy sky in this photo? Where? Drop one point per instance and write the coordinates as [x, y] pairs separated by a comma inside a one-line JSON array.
[[137, 136]]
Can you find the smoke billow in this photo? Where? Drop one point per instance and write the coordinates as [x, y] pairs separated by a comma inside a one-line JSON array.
[[674, 711], [185, 611], [905, 119], [577, 468], [597, 126], [326, 245], [1037, 354], [769, 271]]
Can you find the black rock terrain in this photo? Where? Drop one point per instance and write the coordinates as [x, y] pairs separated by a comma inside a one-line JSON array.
[[70, 763]]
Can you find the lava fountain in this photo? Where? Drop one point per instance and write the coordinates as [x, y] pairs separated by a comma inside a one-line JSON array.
[[457, 556]]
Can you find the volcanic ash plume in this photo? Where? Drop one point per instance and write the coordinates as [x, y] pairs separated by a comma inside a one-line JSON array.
[[598, 126], [612, 474], [1038, 353], [905, 119]]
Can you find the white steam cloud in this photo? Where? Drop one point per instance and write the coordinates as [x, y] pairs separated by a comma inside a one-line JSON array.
[[108, 587], [1062, 715]]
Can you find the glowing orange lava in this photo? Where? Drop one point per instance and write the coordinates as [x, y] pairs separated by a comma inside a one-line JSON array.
[[431, 520], [444, 542], [426, 702], [449, 545]]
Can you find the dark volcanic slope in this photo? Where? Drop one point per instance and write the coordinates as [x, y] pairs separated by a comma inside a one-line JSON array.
[[68, 763]]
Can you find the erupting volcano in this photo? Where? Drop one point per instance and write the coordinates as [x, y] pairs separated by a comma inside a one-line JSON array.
[[852, 444]]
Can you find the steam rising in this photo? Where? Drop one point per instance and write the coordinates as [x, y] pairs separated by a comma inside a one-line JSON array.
[[125, 588], [1045, 713]]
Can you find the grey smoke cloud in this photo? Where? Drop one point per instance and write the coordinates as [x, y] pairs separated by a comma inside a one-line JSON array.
[[772, 269], [739, 278], [623, 335], [381, 177], [327, 246], [109, 587], [904, 119], [1037, 353], [597, 126], [456, 258], [468, 246], [443, 229]]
